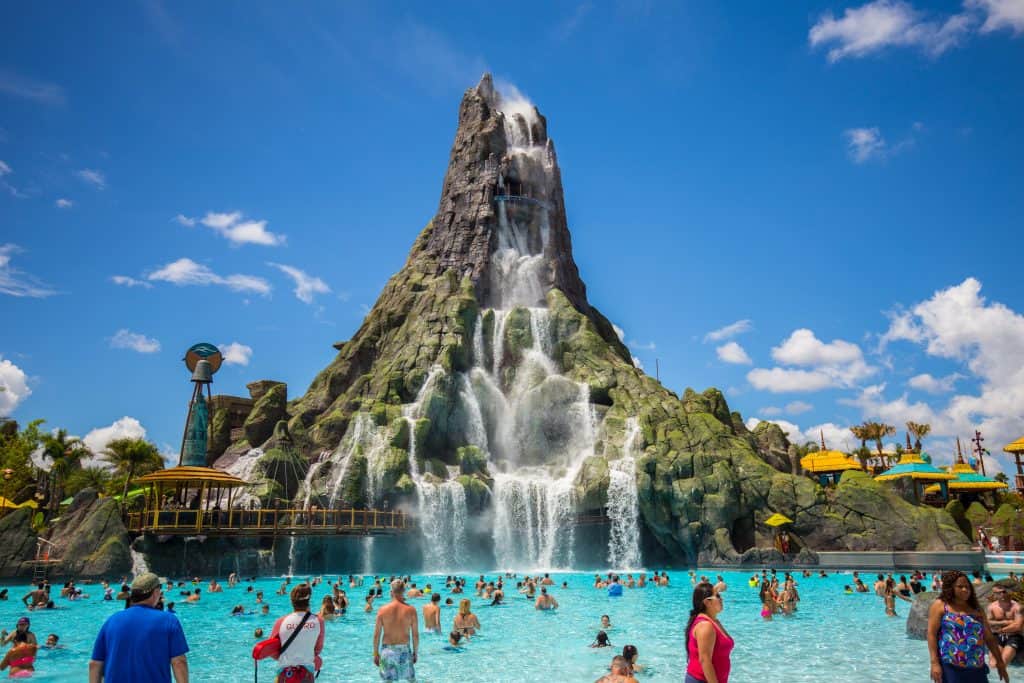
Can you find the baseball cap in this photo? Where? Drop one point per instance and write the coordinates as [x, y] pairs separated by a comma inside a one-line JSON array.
[[146, 583]]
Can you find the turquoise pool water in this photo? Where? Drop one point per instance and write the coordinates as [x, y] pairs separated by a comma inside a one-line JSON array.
[[834, 637]]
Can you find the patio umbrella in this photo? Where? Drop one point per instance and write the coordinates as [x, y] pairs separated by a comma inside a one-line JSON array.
[[778, 520]]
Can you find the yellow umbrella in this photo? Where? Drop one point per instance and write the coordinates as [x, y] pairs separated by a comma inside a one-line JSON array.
[[1015, 447], [778, 520]]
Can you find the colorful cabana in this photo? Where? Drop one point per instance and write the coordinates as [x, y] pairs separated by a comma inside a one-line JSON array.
[[827, 466], [968, 481], [1017, 449], [912, 467]]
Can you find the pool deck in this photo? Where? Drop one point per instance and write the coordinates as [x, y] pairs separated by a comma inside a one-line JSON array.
[[967, 560]]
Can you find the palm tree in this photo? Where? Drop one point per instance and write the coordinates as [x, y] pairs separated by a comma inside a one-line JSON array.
[[877, 431], [131, 457], [93, 477], [919, 430], [65, 453], [861, 432]]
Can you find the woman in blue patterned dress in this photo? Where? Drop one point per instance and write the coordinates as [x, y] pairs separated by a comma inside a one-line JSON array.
[[958, 634]]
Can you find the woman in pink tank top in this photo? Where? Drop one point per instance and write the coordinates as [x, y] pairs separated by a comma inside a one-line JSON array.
[[707, 644]]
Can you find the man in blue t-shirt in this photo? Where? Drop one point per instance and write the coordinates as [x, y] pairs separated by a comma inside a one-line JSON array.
[[141, 644]]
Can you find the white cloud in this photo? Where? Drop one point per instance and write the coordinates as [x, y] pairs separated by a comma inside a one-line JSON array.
[[886, 23], [836, 437], [126, 339], [232, 227], [770, 410], [864, 144], [1000, 14], [126, 281], [637, 363], [640, 346], [934, 385], [185, 220], [14, 385], [17, 283], [93, 177], [798, 407], [185, 272], [732, 352], [125, 428], [64, 203], [785, 380], [26, 88], [619, 332], [235, 353], [729, 331], [4, 168], [836, 364], [958, 324], [803, 348], [306, 286]]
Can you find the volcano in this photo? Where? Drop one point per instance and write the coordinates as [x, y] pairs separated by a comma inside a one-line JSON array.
[[487, 396]]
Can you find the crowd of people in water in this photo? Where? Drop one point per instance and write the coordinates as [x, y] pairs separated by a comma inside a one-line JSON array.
[[964, 639]]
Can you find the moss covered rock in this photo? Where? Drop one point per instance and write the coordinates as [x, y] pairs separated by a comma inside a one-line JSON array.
[[271, 407]]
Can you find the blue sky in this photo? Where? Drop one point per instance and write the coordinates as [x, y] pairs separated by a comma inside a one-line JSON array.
[[813, 206]]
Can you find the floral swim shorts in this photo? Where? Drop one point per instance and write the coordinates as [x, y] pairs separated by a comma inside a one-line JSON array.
[[396, 663]]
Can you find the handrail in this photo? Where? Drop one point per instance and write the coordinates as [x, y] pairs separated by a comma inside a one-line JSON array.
[[271, 521]]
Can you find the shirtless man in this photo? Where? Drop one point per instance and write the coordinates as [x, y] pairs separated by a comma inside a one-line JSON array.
[[215, 587], [720, 586], [621, 672], [194, 597], [1006, 618], [545, 601], [38, 596], [395, 621], [432, 614], [546, 581]]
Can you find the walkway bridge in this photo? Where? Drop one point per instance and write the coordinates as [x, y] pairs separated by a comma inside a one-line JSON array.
[[270, 522]]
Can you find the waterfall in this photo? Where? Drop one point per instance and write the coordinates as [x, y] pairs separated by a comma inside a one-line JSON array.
[[623, 508], [139, 564], [441, 506], [532, 515], [306, 495], [243, 468]]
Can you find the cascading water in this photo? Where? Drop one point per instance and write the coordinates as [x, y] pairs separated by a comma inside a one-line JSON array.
[[305, 495], [623, 508], [244, 468], [139, 564], [441, 505]]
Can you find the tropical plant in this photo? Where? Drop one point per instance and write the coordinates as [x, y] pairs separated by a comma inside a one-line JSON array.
[[1001, 477], [132, 457], [65, 454], [919, 430], [17, 474], [877, 431], [94, 476]]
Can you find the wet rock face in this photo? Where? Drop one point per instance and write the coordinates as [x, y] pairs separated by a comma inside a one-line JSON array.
[[463, 237], [90, 539], [17, 543]]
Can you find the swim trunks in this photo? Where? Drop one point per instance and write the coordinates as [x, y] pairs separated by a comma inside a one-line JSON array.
[[1014, 640], [396, 663]]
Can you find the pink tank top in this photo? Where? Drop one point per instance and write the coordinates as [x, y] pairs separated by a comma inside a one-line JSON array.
[[719, 656]]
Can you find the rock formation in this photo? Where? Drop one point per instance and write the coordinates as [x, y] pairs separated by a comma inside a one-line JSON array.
[[484, 392]]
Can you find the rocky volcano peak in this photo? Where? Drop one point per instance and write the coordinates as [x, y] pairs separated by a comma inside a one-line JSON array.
[[503, 159]]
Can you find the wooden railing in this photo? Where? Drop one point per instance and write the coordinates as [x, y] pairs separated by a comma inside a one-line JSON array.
[[270, 522]]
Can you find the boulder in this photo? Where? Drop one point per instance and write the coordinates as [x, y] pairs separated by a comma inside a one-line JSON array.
[[269, 409], [17, 543], [90, 539], [772, 445], [592, 484]]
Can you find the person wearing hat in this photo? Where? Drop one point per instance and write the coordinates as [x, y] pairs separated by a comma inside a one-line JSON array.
[[22, 627], [141, 643]]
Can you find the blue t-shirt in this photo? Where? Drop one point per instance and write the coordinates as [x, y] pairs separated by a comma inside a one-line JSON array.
[[136, 645]]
